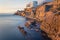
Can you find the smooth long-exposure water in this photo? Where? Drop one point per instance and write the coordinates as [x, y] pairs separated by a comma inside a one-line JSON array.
[[9, 28]]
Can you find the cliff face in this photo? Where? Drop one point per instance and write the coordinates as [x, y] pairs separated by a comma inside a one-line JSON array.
[[42, 10], [49, 16], [50, 26]]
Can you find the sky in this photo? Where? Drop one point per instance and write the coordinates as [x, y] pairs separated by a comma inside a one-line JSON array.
[[11, 6]]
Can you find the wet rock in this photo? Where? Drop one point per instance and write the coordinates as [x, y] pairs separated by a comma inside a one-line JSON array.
[[27, 24], [21, 29], [37, 30], [45, 36]]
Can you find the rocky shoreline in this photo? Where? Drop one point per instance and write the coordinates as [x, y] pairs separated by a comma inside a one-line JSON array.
[[45, 17]]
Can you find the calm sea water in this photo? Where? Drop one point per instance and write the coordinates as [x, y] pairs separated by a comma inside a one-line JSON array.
[[9, 28]]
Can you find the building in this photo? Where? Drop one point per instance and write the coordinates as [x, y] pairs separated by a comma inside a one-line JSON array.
[[30, 9], [32, 4]]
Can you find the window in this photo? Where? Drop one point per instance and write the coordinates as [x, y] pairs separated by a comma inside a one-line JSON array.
[[47, 7]]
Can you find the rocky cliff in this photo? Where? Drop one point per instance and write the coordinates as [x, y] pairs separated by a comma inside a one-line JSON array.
[[50, 26], [48, 14]]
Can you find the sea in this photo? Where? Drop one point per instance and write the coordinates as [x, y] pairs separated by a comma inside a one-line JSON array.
[[9, 28]]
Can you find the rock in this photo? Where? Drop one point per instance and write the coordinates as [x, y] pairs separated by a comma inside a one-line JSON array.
[[27, 24], [37, 30], [21, 29], [51, 25]]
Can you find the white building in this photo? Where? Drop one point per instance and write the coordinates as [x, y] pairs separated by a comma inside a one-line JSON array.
[[32, 4]]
